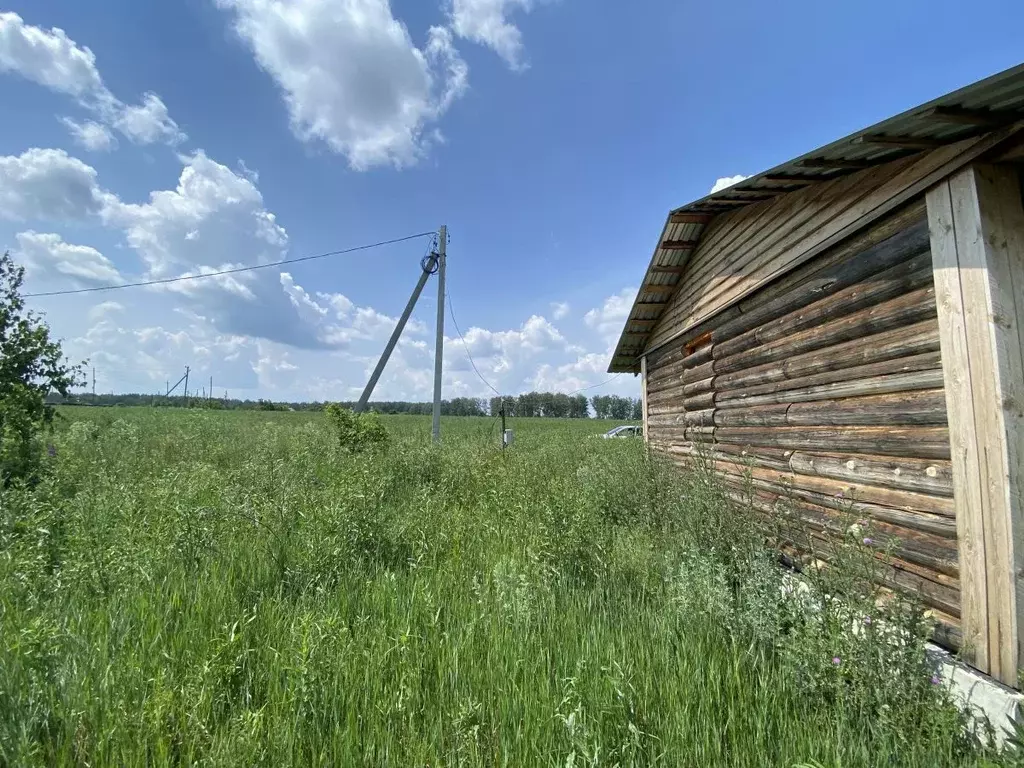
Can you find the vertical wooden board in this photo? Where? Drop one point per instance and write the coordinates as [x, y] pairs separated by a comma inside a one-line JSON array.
[[1002, 232], [643, 397], [975, 261], [960, 413]]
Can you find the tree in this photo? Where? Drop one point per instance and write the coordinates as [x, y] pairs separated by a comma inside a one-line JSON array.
[[31, 366]]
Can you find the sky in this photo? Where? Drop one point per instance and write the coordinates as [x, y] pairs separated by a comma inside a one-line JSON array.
[[146, 140]]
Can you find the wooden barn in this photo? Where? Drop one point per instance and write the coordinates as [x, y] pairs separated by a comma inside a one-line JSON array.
[[848, 330]]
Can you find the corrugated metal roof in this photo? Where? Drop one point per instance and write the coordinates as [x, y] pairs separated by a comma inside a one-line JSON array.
[[970, 111]]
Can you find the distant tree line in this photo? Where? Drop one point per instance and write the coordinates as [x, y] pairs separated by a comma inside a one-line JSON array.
[[531, 404]]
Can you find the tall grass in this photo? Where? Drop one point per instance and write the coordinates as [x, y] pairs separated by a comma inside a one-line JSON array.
[[194, 588]]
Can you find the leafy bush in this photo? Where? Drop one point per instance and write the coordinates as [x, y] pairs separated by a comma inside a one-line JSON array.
[[31, 366], [356, 431]]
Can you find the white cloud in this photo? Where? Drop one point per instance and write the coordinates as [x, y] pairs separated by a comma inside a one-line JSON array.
[[352, 76], [559, 309], [47, 184], [48, 254], [53, 60], [213, 216], [486, 22], [149, 122], [49, 58], [727, 181], [609, 318], [101, 310], [91, 135]]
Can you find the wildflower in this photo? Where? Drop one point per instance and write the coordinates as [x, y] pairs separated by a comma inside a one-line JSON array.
[[836, 660], [867, 619], [936, 679], [868, 542], [51, 449]]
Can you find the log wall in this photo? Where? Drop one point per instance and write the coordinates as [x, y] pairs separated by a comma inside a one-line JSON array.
[[823, 392]]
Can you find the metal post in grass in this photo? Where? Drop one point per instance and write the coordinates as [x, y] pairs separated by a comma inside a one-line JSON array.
[[439, 343]]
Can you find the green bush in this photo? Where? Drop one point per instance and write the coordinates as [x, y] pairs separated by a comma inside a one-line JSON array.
[[356, 431]]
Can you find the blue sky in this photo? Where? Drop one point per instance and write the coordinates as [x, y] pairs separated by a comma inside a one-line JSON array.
[[157, 139]]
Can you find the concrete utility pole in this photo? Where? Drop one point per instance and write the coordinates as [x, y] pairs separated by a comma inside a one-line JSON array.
[[439, 344], [427, 270]]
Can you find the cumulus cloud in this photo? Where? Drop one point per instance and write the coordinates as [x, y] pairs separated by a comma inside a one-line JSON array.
[[351, 75], [487, 22], [48, 184], [91, 135], [49, 254], [727, 181], [51, 59], [609, 318], [559, 309]]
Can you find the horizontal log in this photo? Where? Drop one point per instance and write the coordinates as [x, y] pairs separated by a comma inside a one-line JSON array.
[[699, 402], [695, 387], [821, 282], [700, 434], [673, 369], [705, 418], [934, 552], [915, 442], [699, 372], [927, 476], [669, 409], [699, 356], [674, 419], [918, 521], [900, 375], [671, 387], [908, 501], [898, 280], [762, 415], [899, 312], [926, 406], [908, 341]]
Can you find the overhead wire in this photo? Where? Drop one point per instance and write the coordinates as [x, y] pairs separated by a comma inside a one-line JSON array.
[[469, 354], [232, 271], [595, 386]]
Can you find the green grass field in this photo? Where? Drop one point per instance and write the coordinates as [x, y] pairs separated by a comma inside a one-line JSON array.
[[232, 589]]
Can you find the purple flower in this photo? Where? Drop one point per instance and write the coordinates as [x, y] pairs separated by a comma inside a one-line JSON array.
[[868, 542], [836, 660], [867, 619], [51, 450], [839, 495], [936, 680]]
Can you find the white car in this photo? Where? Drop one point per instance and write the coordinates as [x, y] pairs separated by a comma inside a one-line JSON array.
[[624, 431]]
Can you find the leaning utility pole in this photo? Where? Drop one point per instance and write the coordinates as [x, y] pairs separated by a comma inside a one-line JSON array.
[[429, 265], [439, 344], [186, 386]]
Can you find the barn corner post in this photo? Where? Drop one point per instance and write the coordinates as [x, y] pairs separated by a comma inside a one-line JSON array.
[[976, 225], [643, 396]]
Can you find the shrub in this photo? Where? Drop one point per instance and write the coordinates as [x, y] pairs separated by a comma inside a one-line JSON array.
[[356, 431], [31, 366]]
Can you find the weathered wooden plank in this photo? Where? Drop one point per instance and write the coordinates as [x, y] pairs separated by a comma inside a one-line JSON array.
[[909, 341], [936, 553], [705, 418], [700, 372], [898, 375], [892, 257], [978, 241], [695, 387], [700, 402], [932, 476], [907, 501], [915, 442], [926, 406], [761, 415], [901, 311], [699, 357], [645, 414], [910, 180], [897, 281], [920, 521]]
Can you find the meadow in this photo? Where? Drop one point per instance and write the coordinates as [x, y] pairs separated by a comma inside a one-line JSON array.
[[236, 589]]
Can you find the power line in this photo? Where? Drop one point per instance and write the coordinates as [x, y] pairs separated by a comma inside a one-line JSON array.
[[232, 271], [468, 353], [595, 386]]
